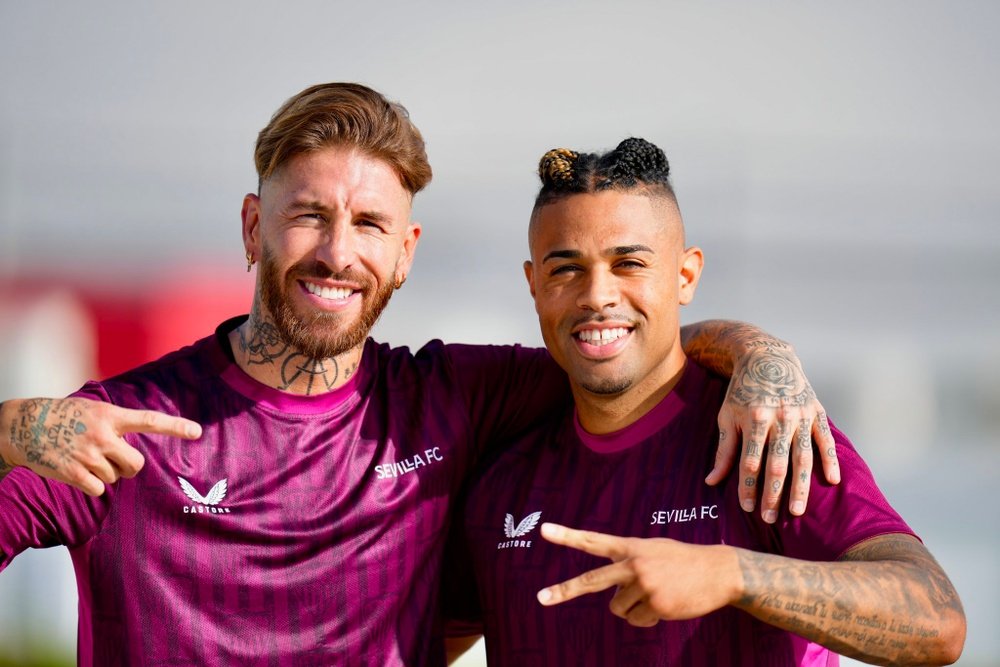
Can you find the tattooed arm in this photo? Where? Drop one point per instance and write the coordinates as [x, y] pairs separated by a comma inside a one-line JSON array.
[[887, 601], [771, 403], [79, 441]]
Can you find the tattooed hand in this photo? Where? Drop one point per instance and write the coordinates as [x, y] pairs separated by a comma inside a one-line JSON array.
[[79, 441], [771, 403]]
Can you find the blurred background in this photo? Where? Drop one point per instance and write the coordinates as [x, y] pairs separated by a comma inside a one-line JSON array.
[[837, 163]]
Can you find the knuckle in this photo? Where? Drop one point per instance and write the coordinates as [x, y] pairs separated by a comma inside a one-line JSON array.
[[776, 470], [148, 419], [588, 578], [618, 607], [81, 479]]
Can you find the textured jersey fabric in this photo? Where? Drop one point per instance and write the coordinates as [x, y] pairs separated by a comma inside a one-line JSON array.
[[297, 530], [644, 481]]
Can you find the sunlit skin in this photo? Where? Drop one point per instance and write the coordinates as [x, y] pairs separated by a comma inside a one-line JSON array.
[[612, 261], [334, 218]]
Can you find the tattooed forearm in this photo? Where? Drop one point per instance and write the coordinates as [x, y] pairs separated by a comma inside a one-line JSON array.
[[887, 601], [718, 344]]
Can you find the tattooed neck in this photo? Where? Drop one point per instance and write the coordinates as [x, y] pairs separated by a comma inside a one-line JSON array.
[[262, 354]]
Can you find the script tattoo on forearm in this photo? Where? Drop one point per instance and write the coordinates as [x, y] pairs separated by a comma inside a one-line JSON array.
[[46, 430], [887, 600]]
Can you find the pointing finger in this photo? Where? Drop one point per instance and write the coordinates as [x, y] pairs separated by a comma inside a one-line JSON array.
[[596, 544], [150, 421]]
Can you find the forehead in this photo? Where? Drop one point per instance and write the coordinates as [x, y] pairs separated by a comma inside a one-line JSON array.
[[338, 175], [604, 219]]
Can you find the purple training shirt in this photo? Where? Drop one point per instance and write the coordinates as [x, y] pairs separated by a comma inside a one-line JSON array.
[[297, 530], [644, 481]]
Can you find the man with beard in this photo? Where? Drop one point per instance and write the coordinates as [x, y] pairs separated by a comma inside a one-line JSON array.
[[306, 524], [608, 272]]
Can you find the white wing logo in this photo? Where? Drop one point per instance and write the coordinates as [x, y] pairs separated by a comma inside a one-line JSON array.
[[527, 524], [215, 494]]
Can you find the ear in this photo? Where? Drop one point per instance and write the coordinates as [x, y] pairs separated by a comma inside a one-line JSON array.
[[251, 225], [692, 261], [529, 274], [410, 238]]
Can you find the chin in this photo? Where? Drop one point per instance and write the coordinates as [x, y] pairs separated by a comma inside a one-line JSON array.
[[606, 386]]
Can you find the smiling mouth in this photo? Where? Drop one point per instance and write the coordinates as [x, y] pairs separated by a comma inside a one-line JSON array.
[[329, 293], [600, 337]]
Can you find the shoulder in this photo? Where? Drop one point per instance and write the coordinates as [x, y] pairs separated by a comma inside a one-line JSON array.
[[179, 372], [842, 515], [437, 358]]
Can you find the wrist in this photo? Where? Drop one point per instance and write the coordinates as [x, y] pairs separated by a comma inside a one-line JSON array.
[[733, 575]]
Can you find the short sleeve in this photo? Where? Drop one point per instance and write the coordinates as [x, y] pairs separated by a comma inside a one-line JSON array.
[[840, 516], [507, 388]]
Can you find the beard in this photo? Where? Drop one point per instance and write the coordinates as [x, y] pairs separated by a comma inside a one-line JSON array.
[[608, 386], [318, 335]]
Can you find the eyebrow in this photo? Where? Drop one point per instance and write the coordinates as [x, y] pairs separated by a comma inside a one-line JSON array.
[[616, 251]]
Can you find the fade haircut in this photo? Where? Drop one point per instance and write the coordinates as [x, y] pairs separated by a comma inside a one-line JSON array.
[[634, 165], [349, 115]]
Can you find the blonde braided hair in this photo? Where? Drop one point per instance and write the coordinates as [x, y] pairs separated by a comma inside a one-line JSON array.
[[557, 165]]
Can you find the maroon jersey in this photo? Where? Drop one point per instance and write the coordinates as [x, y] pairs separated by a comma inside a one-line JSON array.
[[644, 481], [298, 530]]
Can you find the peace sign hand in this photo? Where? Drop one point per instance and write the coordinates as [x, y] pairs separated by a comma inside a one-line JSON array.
[[657, 578]]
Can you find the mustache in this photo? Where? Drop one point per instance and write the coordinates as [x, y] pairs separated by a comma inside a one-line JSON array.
[[320, 271]]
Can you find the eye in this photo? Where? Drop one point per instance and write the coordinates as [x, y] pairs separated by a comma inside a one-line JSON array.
[[370, 224], [629, 264], [565, 268]]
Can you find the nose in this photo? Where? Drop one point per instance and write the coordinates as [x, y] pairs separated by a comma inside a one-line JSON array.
[[598, 291], [338, 248]]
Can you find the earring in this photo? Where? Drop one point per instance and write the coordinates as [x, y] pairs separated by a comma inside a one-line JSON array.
[[399, 281], [249, 261]]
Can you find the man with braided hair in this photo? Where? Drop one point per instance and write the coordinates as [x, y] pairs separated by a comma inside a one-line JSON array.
[[306, 524], [692, 580]]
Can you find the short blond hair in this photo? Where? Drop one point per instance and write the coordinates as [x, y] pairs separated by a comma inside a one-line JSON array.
[[344, 114]]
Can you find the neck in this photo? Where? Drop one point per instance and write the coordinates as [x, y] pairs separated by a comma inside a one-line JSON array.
[[607, 413], [261, 353]]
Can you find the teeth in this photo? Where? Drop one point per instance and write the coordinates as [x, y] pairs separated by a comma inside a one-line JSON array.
[[328, 292], [601, 336]]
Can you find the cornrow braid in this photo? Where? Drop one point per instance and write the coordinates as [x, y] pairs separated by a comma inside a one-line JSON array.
[[634, 164], [636, 160]]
